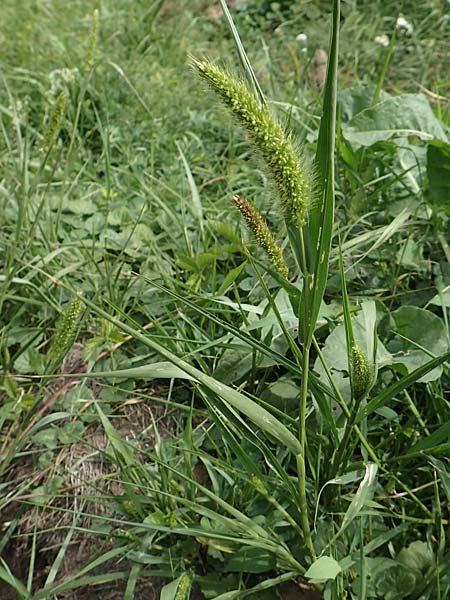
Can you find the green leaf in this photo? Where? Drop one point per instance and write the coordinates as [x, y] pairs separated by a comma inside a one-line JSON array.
[[121, 448], [7, 576], [230, 278], [320, 228], [258, 415], [250, 560], [196, 205], [159, 370], [443, 298], [438, 171], [354, 100], [432, 441], [283, 393], [334, 350], [443, 474], [70, 432], [417, 556], [395, 582], [401, 385], [323, 569], [179, 589], [46, 437], [399, 116], [418, 327], [362, 497]]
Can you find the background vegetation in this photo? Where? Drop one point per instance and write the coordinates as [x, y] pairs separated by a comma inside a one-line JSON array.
[[117, 170]]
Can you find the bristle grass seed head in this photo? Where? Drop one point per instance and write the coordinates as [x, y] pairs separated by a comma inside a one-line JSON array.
[[284, 160], [263, 236]]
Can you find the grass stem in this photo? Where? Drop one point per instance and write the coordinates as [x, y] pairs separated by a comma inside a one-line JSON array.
[[301, 458]]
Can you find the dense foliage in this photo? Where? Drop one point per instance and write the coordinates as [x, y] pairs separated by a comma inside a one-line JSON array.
[[242, 407]]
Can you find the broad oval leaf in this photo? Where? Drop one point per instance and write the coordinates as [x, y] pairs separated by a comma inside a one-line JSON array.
[[398, 116], [323, 569]]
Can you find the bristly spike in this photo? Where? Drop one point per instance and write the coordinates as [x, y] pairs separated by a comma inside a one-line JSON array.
[[263, 236], [54, 123], [361, 373], [66, 333], [285, 162]]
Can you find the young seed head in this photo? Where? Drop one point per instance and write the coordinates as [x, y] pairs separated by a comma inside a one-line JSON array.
[[184, 586], [285, 162], [263, 236], [361, 373], [92, 43], [66, 333], [54, 123]]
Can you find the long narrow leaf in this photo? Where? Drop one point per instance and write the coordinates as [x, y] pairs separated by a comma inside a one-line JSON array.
[[159, 370], [243, 55], [197, 209], [260, 416], [322, 213], [402, 384]]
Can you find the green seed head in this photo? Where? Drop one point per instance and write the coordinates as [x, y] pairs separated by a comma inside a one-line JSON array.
[[259, 485], [66, 333], [184, 586], [263, 236], [92, 42], [361, 373], [285, 162], [54, 123]]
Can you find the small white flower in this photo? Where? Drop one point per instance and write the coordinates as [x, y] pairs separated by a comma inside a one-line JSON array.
[[383, 40], [402, 23], [302, 38], [59, 78]]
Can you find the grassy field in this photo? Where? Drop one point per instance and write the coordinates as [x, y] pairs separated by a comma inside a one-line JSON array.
[[197, 403]]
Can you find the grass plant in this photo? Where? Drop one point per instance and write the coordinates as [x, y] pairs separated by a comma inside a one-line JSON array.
[[242, 416]]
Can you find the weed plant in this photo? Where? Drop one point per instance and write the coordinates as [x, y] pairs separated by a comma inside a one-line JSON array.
[[310, 434]]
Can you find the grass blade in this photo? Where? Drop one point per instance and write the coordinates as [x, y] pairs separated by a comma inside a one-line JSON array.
[[260, 416], [196, 209], [243, 55], [322, 213], [402, 384]]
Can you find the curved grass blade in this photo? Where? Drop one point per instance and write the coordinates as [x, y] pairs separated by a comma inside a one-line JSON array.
[[317, 386], [243, 55], [7, 576], [159, 370], [400, 385], [196, 209], [361, 498], [260, 416]]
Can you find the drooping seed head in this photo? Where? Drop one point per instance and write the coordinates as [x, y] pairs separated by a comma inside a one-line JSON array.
[[263, 236], [285, 162]]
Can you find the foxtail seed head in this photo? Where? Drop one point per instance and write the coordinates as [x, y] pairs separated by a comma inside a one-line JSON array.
[[92, 43], [67, 330], [184, 586], [361, 373], [263, 236], [54, 123], [285, 162]]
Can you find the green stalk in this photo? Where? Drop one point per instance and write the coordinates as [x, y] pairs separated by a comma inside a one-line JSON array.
[[296, 239], [301, 458], [344, 406], [341, 455]]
